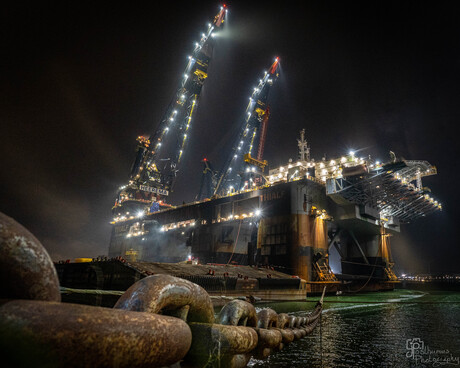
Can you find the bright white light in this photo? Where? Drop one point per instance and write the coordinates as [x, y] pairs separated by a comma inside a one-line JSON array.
[[351, 153], [140, 214], [258, 212]]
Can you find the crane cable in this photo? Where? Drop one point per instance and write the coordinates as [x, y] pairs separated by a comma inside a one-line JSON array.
[[236, 241]]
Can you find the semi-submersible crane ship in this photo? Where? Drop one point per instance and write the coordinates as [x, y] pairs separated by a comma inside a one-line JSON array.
[[253, 232]]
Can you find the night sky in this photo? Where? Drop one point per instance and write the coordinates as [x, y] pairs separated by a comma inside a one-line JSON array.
[[80, 81]]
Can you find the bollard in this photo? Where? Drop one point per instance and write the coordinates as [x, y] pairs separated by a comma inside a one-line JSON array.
[[168, 295], [238, 313], [25, 266], [72, 335]]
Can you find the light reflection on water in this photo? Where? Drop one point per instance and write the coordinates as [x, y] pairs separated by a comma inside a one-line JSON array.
[[372, 333]]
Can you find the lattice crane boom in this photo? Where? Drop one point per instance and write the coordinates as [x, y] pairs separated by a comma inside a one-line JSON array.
[[159, 155], [250, 138]]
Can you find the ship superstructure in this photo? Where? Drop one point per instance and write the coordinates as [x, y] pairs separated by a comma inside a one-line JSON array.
[[291, 221]]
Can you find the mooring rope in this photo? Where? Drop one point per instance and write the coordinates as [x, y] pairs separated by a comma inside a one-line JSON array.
[[321, 338], [65, 290], [384, 302]]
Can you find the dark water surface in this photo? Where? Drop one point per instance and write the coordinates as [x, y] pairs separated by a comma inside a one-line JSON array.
[[402, 328]]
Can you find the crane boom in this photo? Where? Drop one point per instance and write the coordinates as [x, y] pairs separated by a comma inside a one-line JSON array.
[[231, 177], [158, 156]]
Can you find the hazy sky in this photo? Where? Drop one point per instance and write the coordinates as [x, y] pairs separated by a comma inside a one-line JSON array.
[[81, 81]]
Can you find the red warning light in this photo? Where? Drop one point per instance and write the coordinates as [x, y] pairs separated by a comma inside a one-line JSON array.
[[274, 66]]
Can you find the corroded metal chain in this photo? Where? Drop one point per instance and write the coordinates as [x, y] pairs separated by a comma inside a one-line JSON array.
[[159, 321]]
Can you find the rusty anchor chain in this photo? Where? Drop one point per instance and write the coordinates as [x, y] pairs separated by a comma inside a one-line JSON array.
[[168, 295], [159, 321]]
